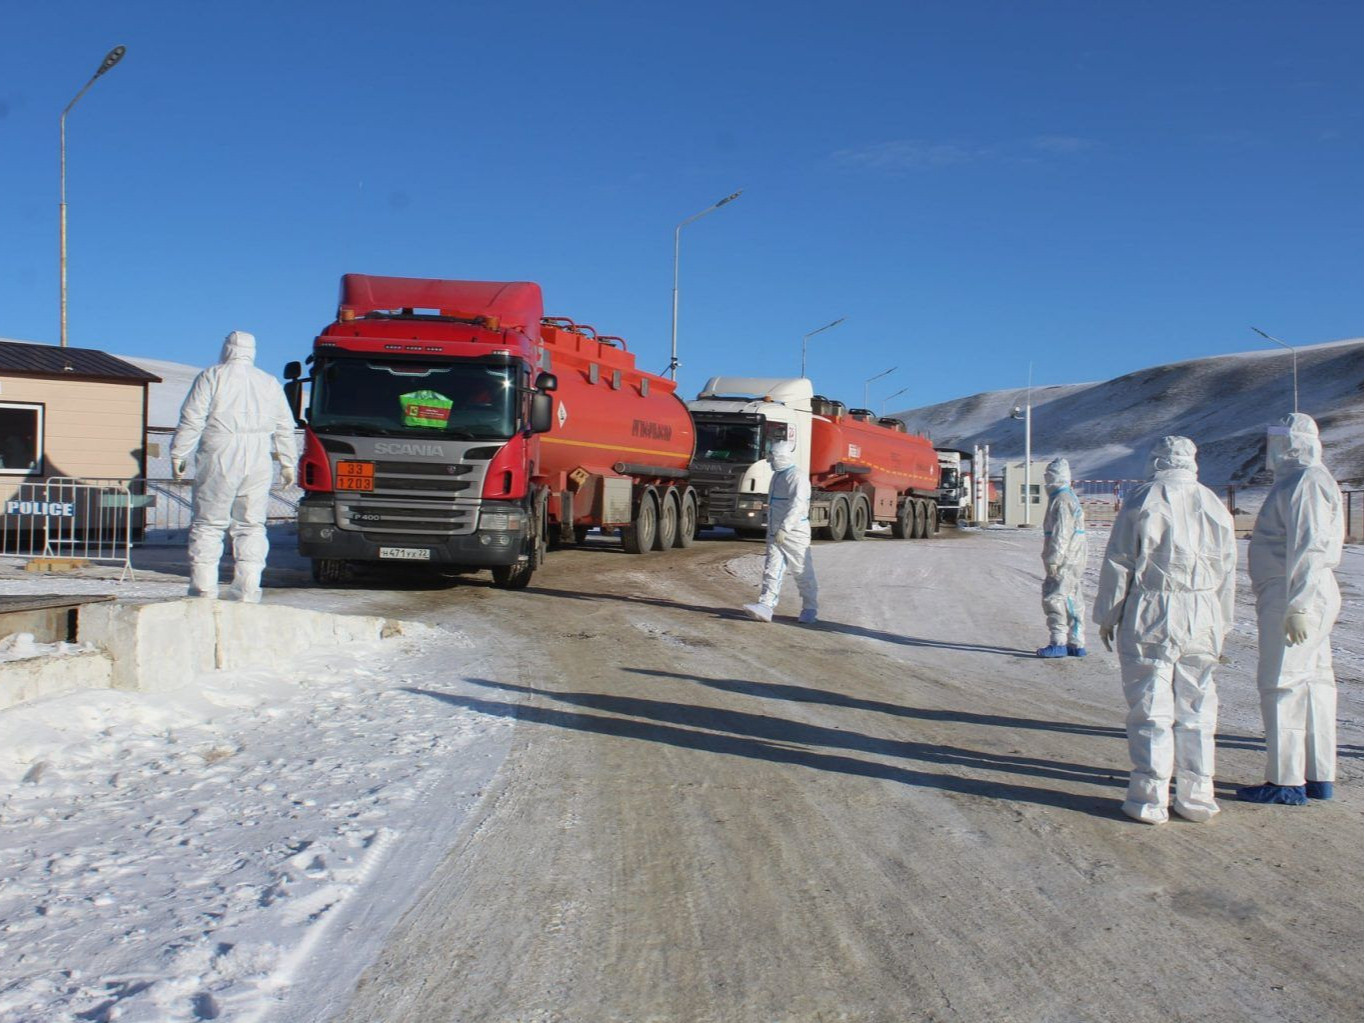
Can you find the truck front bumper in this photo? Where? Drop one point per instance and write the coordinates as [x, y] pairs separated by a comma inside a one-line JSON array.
[[321, 537]]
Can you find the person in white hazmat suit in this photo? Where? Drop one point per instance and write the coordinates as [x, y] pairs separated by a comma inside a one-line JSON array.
[[1294, 547], [788, 536], [1166, 598], [232, 417], [1063, 564]]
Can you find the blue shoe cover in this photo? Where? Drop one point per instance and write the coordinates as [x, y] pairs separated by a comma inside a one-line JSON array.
[[1318, 789], [1286, 795], [1072, 650], [1052, 650]]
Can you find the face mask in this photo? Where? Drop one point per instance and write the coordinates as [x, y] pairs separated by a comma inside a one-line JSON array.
[[1276, 444]]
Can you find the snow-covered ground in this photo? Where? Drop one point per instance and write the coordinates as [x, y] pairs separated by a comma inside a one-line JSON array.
[[236, 849], [239, 849]]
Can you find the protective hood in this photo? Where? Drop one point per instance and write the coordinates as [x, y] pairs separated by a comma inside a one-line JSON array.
[[239, 347], [782, 455], [1293, 443], [1172, 454], [1057, 475]]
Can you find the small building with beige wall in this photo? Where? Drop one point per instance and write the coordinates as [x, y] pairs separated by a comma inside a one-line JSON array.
[[70, 412]]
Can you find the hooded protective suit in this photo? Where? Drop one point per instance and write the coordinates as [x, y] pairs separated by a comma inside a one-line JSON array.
[[232, 417], [1063, 562], [1166, 592], [1294, 547], [788, 536]]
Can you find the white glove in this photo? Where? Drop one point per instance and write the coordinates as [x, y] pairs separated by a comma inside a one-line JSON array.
[[178, 468], [1107, 637], [780, 537], [1295, 628], [286, 475]]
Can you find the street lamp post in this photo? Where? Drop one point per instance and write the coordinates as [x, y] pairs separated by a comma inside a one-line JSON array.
[[1294, 353], [1026, 414], [872, 378], [890, 396], [807, 337], [110, 59], [677, 240]]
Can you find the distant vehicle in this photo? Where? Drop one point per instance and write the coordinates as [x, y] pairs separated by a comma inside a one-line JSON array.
[[863, 470]]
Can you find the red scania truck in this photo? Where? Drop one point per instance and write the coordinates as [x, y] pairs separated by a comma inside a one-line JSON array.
[[451, 423]]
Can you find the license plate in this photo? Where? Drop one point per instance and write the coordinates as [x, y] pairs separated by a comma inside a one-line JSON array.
[[355, 475], [405, 553]]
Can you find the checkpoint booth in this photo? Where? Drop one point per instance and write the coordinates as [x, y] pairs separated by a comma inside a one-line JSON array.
[[73, 460]]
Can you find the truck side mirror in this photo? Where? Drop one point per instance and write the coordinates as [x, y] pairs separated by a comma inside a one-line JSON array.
[[547, 382], [292, 370], [293, 394], [542, 412]]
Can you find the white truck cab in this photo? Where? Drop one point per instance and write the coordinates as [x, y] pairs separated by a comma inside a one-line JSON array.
[[737, 419]]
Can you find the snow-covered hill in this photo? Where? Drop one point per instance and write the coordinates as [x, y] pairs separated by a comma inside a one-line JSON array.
[[1223, 403], [164, 399]]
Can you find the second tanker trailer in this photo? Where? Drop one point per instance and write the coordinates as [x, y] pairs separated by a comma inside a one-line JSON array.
[[863, 470]]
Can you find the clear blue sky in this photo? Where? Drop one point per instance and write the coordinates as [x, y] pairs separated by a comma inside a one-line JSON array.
[[1097, 187]]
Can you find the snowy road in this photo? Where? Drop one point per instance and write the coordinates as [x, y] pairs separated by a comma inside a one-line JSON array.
[[611, 798], [897, 815]]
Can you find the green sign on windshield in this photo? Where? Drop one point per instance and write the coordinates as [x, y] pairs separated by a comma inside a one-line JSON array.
[[425, 408]]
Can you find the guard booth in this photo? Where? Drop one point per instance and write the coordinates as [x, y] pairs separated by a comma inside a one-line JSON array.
[[73, 460], [1024, 495]]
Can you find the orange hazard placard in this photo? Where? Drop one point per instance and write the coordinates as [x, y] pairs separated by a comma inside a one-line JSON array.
[[355, 476]]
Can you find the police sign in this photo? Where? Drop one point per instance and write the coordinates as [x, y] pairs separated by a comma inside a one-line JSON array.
[[49, 509]]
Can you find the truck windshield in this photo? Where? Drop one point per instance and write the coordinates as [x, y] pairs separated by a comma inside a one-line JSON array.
[[729, 442], [381, 396]]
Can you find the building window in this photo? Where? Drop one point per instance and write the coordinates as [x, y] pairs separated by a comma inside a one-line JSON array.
[[21, 439]]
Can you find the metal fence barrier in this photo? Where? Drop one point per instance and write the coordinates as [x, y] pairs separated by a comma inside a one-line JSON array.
[[83, 520]]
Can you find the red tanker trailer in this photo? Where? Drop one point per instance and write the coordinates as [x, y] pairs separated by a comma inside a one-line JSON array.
[[864, 470], [433, 435]]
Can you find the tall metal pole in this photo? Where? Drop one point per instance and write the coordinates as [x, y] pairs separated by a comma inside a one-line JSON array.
[[677, 241], [110, 59], [877, 377], [807, 337], [1294, 353], [1028, 450]]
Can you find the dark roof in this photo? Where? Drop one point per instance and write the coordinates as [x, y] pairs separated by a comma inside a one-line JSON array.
[[21, 359]]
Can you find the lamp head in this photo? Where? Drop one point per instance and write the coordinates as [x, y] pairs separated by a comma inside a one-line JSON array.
[[111, 58]]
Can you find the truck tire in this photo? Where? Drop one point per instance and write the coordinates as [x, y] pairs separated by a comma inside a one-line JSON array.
[[638, 537], [904, 526], [859, 516], [931, 518], [837, 529], [917, 532], [669, 514], [687, 519], [331, 570], [580, 534], [513, 577]]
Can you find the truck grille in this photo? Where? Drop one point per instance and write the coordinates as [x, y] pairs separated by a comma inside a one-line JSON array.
[[400, 479], [378, 516]]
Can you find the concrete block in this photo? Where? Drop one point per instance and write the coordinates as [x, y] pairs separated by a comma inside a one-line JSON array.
[[156, 646], [34, 678], [250, 635]]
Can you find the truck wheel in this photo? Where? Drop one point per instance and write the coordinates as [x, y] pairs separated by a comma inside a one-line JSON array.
[[580, 534], [687, 519], [930, 518], [838, 519], [638, 537], [859, 516], [904, 523], [331, 570], [513, 577], [669, 514], [917, 531]]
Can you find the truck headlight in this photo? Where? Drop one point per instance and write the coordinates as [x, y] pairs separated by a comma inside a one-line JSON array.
[[501, 520], [316, 513]]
